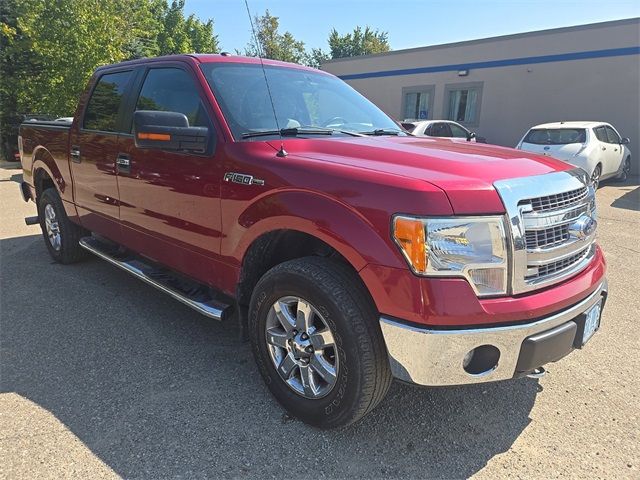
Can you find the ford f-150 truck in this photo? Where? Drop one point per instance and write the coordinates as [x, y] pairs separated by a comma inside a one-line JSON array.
[[351, 252]]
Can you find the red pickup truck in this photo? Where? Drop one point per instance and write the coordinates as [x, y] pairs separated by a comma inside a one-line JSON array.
[[351, 252]]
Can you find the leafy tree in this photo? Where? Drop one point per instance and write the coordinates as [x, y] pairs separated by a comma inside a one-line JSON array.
[[273, 44], [358, 42], [316, 57], [185, 35], [49, 49]]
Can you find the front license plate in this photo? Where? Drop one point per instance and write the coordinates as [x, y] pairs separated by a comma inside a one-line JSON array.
[[592, 322]]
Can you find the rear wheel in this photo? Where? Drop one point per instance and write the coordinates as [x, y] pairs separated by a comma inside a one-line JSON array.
[[626, 170], [61, 236], [595, 176], [317, 342]]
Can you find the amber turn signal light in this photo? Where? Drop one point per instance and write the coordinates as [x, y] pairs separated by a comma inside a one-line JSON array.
[[154, 136], [409, 235]]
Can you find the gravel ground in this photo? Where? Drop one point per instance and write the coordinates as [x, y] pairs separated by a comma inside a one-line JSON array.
[[103, 376]]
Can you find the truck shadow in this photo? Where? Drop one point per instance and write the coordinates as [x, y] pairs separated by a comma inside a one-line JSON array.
[[631, 198], [156, 390]]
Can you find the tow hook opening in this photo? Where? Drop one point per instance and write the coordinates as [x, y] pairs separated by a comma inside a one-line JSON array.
[[481, 360], [537, 373]]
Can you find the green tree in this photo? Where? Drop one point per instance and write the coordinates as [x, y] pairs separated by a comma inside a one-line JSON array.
[[49, 49], [358, 42], [185, 35], [273, 44]]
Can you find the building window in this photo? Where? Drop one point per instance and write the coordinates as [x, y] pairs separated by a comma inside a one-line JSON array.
[[462, 103], [417, 103]]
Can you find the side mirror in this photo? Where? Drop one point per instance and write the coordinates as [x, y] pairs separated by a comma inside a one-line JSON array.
[[624, 141], [168, 131], [471, 136]]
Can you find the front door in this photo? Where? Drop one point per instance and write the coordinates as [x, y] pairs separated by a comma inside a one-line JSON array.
[[170, 201], [614, 152], [94, 148]]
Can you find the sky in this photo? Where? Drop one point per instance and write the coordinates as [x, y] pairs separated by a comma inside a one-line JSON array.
[[410, 23]]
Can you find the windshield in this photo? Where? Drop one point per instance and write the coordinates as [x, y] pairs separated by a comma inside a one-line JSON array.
[[556, 136], [303, 100]]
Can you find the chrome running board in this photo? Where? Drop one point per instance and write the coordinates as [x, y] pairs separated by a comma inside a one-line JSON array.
[[193, 294]]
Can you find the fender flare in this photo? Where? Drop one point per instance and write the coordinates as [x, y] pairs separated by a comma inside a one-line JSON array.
[[314, 213], [43, 160]]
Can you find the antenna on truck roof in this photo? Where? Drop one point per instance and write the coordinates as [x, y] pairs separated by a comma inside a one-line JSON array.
[[282, 152]]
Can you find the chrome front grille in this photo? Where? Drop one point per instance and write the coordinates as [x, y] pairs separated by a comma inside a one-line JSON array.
[[559, 265], [558, 200], [550, 221], [548, 237]]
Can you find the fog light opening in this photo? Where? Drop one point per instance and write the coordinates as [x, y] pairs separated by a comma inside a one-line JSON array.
[[481, 360]]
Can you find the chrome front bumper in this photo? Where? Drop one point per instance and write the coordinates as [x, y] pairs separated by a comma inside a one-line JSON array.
[[435, 357]]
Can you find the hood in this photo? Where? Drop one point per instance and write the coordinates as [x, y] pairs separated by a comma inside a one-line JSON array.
[[465, 171]]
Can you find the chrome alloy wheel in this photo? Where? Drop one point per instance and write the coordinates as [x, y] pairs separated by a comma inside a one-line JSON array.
[[595, 177], [302, 347], [53, 229]]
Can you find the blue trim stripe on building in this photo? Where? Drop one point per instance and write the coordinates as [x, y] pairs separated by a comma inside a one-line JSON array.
[[561, 57]]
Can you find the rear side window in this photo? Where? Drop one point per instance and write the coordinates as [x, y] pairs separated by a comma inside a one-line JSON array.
[[105, 102], [601, 134], [556, 136], [172, 90], [612, 136]]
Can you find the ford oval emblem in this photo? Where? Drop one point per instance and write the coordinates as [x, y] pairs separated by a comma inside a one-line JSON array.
[[583, 227], [547, 148]]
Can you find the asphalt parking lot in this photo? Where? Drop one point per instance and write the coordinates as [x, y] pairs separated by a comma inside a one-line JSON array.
[[103, 376]]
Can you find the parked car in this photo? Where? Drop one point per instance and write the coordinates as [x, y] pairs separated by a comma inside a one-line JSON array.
[[442, 129], [350, 254], [596, 147]]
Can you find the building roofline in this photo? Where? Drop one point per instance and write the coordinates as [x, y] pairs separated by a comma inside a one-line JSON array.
[[512, 36]]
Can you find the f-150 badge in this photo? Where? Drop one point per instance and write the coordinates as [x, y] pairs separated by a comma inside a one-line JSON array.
[[242, 179]]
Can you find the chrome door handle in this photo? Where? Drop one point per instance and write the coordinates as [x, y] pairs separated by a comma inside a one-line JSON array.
[[123, 163], [75, 154]]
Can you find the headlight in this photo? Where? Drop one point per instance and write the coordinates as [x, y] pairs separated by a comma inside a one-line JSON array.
[[470, 247]]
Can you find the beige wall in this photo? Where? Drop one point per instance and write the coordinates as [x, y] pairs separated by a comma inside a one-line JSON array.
[[516, 97]]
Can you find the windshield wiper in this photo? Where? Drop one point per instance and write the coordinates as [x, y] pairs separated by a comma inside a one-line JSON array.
[[290, 132], [383, 131], [302, 130]]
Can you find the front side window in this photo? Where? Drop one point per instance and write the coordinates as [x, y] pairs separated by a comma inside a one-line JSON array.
[[172, 90], [457, 131], [105, 102], [556, 136], [416, 105], [463, 104], [612, 136], [301, 99]]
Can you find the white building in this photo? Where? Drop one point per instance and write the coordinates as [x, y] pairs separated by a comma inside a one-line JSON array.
[[499, 87]]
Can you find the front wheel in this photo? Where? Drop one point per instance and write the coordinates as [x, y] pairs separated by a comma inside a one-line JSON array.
[[595, 177], [626, 170], [317, 342]]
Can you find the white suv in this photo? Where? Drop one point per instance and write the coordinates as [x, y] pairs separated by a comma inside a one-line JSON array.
[[596, 147]]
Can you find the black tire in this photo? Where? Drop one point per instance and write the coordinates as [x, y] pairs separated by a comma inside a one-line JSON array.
[[363, 375], [626, 170], [68, 250], [595, 176]]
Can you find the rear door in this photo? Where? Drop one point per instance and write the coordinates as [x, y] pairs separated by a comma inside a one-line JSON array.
[[94, 146], [171, 200]]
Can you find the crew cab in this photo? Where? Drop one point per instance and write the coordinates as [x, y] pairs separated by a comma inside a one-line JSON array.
[[350, 251]]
